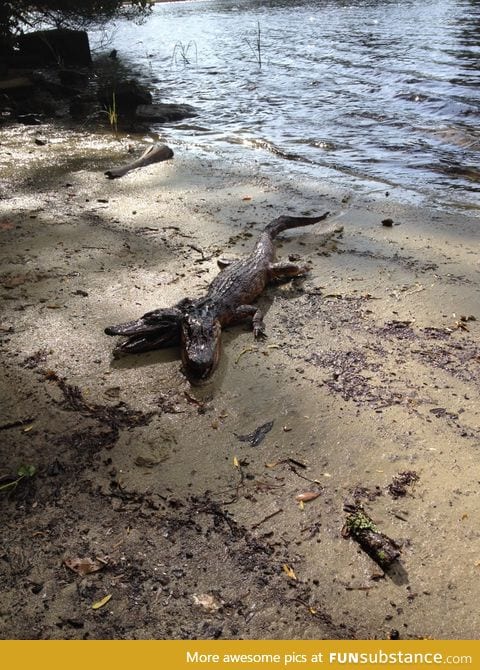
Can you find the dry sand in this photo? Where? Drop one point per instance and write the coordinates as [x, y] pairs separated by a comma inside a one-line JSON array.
[[368, 371]]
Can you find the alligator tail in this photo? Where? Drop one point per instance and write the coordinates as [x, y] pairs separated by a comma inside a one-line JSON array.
[[285, 222]]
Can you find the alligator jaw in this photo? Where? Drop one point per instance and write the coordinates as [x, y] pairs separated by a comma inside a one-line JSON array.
[[155, 330], [137, 344]]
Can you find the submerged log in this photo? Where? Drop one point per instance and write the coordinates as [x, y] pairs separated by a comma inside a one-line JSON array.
[[358, 525], [154, 154]]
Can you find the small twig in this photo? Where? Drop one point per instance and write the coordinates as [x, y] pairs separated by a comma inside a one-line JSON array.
[[307, 479], [245, 351], [15, 424], [266, 518], [193, 400], [197, 249], [299, 463]]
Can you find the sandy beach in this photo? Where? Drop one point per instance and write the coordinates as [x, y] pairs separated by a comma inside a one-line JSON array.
[[371, 368]]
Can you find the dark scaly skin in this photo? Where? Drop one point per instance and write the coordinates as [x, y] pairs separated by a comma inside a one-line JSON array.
[[197, 324]]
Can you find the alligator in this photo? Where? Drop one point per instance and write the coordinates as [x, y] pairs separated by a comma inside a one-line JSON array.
[[195, 324]]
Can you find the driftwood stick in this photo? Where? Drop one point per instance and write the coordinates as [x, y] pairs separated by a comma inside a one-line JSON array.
[[154, 154], [360, 527]]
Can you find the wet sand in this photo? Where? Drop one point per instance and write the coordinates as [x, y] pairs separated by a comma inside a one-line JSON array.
[[370, 369]]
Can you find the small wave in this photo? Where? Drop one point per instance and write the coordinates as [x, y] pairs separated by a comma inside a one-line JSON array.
[[325, 145], [260, 143]]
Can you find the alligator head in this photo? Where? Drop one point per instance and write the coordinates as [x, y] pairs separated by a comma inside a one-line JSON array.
[[201, 343], [155, 330]]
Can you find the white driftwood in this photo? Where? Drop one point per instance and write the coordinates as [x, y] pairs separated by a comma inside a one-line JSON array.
[[154, 154]]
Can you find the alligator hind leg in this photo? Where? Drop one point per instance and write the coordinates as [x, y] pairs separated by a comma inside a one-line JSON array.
[[245, 311], [286, 270]]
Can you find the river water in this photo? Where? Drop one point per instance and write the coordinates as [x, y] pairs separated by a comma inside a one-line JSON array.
[[368, 94]]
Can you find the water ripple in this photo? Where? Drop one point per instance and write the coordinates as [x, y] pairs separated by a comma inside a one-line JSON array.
[[378, 89]]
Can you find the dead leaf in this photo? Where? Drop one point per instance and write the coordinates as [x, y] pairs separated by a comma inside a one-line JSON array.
[[83, 566], [14, 280], [245, 351], [165, 278], [289, 572], [206, 601], [146, 462], [112, 392], [102, 602], [236, 462], [307, 496], [247, 197]]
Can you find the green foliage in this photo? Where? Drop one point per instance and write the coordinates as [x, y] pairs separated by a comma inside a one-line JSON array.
[[112, 114], [23, 472], [17, 16], [358, 522]]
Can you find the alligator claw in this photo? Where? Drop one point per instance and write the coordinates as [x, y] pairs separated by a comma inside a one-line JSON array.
[[259, 333]]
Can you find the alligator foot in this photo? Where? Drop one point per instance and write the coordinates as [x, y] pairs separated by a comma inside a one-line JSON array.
[[246, 311], [158, 329]]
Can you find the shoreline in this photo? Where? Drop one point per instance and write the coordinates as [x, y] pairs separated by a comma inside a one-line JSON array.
[[370, 369]]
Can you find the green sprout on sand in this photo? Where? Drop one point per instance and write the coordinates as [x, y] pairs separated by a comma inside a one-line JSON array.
[[23, 472], [358, 522], [112, 114]]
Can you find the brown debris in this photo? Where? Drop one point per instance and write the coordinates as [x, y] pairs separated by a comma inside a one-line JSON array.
[[399, 484], [84, 566], [361, 528]]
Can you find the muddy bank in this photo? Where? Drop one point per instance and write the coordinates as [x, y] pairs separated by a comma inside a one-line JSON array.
[[370, 370]]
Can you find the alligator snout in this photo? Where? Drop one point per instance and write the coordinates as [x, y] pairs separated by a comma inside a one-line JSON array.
[[201, 342]]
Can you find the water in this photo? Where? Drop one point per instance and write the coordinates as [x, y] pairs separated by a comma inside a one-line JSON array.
[[368, 94]]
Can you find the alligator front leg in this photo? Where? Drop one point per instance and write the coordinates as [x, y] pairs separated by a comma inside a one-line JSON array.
[[286, 270], [245, 311]]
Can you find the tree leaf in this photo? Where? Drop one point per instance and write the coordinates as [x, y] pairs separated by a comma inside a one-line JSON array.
[[26, 471], [307, 496], [83, 566], [102, 602], [289, 571]]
